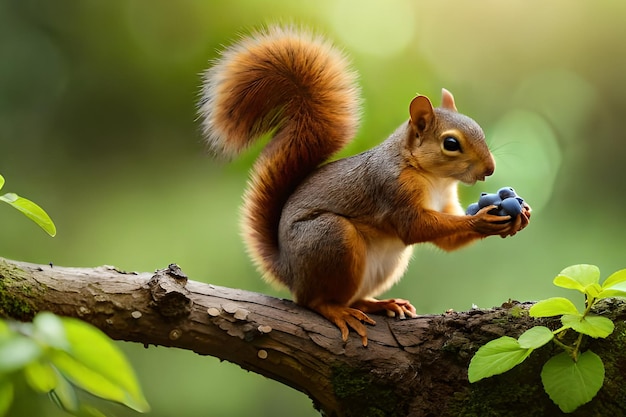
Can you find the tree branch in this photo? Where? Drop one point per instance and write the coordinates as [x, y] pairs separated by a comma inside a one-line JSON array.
[[413, 367]]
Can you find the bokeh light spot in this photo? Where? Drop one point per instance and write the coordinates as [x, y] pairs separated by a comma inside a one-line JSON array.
[[527, 155], [377, 28]]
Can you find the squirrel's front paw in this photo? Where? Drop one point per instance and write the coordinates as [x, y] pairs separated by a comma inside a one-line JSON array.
[[503, 213], [512, 210], [488, 224], [521, 221]]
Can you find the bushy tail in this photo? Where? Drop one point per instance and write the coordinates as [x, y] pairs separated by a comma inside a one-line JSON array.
[[295, 85]]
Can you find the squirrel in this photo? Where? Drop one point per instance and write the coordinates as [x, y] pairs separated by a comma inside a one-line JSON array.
[[339, 233]]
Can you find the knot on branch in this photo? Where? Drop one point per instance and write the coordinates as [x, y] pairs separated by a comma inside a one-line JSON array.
[[169, 295]]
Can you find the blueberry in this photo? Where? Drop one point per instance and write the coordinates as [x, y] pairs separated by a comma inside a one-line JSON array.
[[488, 200], [506, 192], [511, 206], [472, 209]]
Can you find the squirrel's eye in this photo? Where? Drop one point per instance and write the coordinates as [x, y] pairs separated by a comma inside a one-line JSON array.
[[451, 144]]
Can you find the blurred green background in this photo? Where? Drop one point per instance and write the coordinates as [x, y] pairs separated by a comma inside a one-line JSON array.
[[98, 125]]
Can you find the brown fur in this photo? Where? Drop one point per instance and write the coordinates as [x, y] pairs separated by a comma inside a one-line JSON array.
[[290, 81], [340, 233]]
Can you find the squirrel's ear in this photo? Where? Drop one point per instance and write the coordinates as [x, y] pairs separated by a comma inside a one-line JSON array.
[[422, 113], [447, 100]]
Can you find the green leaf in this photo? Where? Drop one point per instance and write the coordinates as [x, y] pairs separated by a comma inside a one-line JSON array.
[[49, 330], [554, 306], [614, 279], [593, 290], [1, 182], [86, 410], [578, 277], [612, 292], [535, 337], [569, 283], [16, 352], [591, 325], [6, 395], [40, 376], [496, 357], [32, 211], [64, 395], [571, 384], [96, 365]]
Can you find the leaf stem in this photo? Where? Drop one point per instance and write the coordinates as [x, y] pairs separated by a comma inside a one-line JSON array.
[[589, 302], [576, 351], [566, 348]]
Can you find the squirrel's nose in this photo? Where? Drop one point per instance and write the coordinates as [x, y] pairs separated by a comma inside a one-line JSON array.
[[490, 167]]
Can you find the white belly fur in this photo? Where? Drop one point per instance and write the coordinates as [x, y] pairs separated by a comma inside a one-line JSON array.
[[386, 262]]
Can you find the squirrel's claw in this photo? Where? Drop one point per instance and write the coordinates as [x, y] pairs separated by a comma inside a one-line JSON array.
[[394, 307], [346, 318], [353, 317]]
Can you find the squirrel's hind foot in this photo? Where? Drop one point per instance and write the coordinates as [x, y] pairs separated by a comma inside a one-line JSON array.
[[394, 307], [346, 318]]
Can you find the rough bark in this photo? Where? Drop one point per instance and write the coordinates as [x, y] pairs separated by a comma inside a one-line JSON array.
[[414, 367]]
